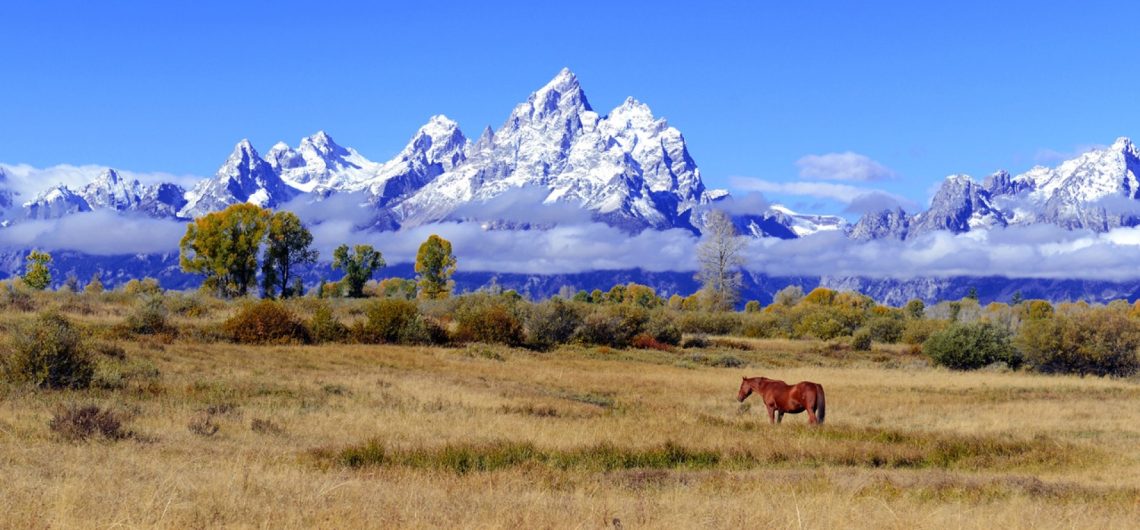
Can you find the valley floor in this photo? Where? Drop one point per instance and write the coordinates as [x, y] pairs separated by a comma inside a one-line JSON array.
[[482, 436]]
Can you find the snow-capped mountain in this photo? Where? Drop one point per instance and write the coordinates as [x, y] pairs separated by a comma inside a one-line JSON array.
[[629, 168], [892, 223], [55, 202], [245, 177], [1098, 190], [960, 205], [109, 191]]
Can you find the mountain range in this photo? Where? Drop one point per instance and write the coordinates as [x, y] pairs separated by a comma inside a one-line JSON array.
[[626, 168]]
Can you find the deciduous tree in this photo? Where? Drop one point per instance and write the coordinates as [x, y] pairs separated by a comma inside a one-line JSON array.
[[435, 264], [287, 246], [358, 266], [223, 246], [720, 257]]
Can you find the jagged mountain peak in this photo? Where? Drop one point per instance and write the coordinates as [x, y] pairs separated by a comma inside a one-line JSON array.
[[562, 97], [1122, 144]]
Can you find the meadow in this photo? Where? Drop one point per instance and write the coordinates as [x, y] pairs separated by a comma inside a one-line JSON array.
[[207, 433]]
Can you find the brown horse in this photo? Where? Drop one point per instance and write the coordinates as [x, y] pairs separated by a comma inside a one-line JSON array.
[[781, 398]]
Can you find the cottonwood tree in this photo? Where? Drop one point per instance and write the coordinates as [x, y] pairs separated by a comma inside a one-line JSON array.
[[358, 266], [720, 257], [435, 264], [286, 246], [223, 247]]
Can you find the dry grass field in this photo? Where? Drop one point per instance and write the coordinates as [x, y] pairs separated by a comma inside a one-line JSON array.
[[352, 436]]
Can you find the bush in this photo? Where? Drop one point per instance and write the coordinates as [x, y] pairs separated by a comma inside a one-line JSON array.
[[392, 321], [16, 295], [971, 346], [48, 352], [324, 326], [148, 317], [710, 323], [762, 326], [1099, 342], [885, 329], [663, 328], [552, 322], [489, 319], [79, 423], [265, 322], [917, 331], [861, 339], [816, 321], [614, 325], [646, 341], [192, 305]]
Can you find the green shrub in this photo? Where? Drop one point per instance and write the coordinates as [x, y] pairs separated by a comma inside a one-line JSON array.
[[1100, 342], [193, 305], [861, 339], [917, 331], [613, 325], [489, 319], [265, 322], [753, 306], [817, 321], [971, 346], [16, 295], [394, 321], [551, 323], [664, 329], [324, 326], [885, 329], [48, 352], [148, 316], [762, 326], [710, 323]]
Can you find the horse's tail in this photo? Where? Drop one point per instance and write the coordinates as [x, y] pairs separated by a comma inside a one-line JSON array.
[[820, 404]]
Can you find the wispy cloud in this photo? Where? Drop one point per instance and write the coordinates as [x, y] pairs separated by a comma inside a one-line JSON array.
[[846, 166], [27, 180], [855, 197]]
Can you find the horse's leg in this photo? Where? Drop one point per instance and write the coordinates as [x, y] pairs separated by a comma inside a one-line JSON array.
[[771, 414], [809, 405], [780, 417]]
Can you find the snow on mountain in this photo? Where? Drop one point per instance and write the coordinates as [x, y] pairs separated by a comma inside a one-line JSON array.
[[245, 177], [631, 169], [55, 202], [319, 163], [1096, 190], [892, 223], [960, 205], [808, 224]]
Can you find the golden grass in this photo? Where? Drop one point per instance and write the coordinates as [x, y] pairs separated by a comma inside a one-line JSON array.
[[485, 436]]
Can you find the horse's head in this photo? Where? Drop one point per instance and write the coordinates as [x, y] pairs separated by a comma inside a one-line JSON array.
[[745, 390]]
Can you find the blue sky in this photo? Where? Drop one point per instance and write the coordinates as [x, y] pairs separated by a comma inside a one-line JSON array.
[[918, 90]]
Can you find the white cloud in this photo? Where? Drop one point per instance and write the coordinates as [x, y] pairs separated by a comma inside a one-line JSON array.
[[99, 233], [843, 193], [27, 180], [847, 166]]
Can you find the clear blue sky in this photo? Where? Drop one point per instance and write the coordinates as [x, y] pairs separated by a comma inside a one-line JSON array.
[[924, 89]]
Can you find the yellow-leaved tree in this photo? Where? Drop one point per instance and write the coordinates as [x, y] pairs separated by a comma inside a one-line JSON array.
[[223, 246]]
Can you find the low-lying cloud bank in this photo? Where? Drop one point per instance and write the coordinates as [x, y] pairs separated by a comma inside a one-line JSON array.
[[1037, 251]]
